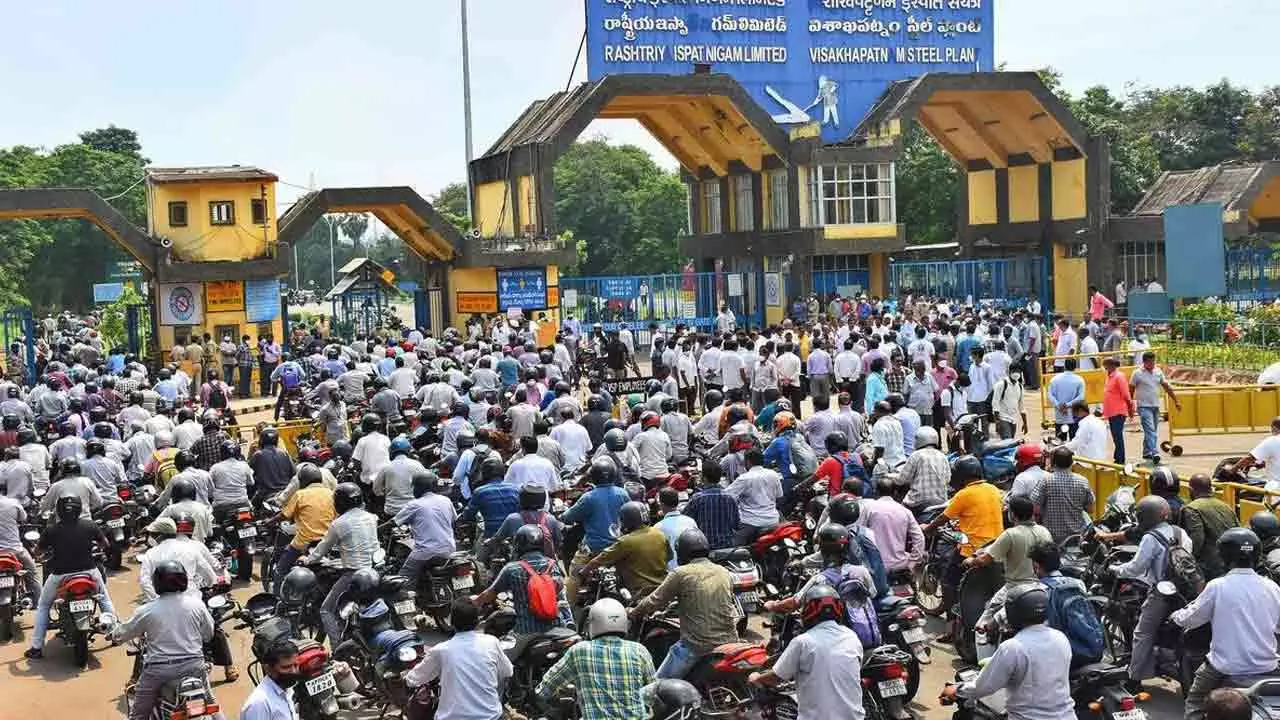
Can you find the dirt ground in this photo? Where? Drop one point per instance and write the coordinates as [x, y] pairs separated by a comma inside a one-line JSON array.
[[53, 688]]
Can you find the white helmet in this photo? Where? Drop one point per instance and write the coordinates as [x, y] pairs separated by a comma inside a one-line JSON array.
[[606, 616], [926, 436]]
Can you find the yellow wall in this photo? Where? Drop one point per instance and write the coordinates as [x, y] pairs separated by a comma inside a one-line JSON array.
[[1267, 206], [485, 280], [1070, 282], [200, 240], [212, 321], [528, 201], [1024, 193], [859, 232], [982, 197], [493, 219], [805, 212], [1068, 190], [878, 269]]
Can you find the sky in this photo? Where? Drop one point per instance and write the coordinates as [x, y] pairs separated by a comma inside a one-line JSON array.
[[348, 93]]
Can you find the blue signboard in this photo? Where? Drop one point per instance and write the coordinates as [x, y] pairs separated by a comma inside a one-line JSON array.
[[824, 61], [107, 292], [1194, 252], [524, 288], [620, 288], [261, 300]]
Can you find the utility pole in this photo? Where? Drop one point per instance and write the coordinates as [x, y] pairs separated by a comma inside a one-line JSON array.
[[466, 101]]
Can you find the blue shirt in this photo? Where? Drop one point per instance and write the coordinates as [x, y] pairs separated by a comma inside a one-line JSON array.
[[671, 525], [385, 366], [1065, 388], [513, 579], [494, 501], [167, 389], [778, 454], [716, 514], [509, 370], [268, 701], [963, 348], [337, 367], [597, 511], [876, 391], [462, 470]]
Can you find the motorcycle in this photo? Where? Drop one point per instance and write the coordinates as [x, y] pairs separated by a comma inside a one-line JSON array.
[[443, 580], [1100, 689], [238, 542], [539, 654], [998, 464], [977, 586], [112, 519], [602, 582], [186, 698], [326, 687], [1264, 698], [885, 677], [78, 617], [902, 625], [13, 594], [378, 652], [774, 550], [746, 580], [1179, 652], [930, 578]]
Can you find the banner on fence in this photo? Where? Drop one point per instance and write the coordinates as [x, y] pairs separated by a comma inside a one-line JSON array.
[[618, 388]]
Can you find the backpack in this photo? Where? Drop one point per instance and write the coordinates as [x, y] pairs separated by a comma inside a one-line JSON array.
[[165, 469], [860, 610], [217, 397], [1180, 566], [1071, 613], [290, 377], [852, 467], [802, 457], [548, 540], [541, 589]]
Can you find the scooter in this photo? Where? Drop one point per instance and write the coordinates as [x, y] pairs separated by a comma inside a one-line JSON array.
[[998, 463]]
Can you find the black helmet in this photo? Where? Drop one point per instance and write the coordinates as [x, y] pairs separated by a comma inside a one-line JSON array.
[[181, 489], [364, 583], [1239, 548], [75, 404], [98, 415], [169, 577], [615, 440], [965, 469], [347, 496], [1026, 605], [713, 398], [844, 509], [309, 474], [65, 428], [633, 516], [691, 545], [492, 468], [528, 539], [1151, 510], [184, 459], [604, 471], [652, 387], [820, 603], [833, 540], [298, 586], [370, 423], [466, 438], [228, 449], [12, 391], [425, 482], [1265, 525], [533, 497], [11, 421], [669, 404], [595, 403], [68, 508], [1164, 481], [342, 449], [896, 401], [69, 467], [562, 388], [269, 437], [27, 435], [671, 698], [459, 409], [836, 442], [95, 447]]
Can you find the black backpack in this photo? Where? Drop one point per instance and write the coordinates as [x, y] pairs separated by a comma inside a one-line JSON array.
[[217, 397], [1180, 566]]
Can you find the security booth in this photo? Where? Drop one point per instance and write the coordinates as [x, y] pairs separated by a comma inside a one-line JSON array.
[[364, 294]]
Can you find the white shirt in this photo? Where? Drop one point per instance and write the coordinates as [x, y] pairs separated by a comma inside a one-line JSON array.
[[821, 661], [709, 365], [193, 556], [848, 366], [471, 666], [1088, 346], [731, 370], [575, 440], [757, 491], [921, 350], [1025, 484], [788, 365], [374, 453], [1066, 344], [653, 449], [999, 362], [1006, 400], [1244, 610], [1091, 438], [269, 701], [980, 382], [886, 433], [1268, 451]]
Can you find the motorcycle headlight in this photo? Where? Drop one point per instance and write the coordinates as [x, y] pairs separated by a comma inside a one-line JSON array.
[[407, 654]]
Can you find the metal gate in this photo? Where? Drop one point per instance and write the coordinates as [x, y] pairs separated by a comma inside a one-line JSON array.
[[19, 327], [841, 282], [1002, 281], [638, 300]]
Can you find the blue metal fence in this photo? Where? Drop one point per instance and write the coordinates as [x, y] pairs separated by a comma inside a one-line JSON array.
[[1253, 274], [1005, 281], [690, 298], [826, 282]]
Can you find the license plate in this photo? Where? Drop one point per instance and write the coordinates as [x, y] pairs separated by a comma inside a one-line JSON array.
[[749, 598], [914, 635], [117, 523], [406, 607], [81, 606], [248, 532], [1129, 715], [6, 582], [462, 582], [324, 683], [893, 688]]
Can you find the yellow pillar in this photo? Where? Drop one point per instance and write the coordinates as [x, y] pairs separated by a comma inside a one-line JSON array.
[[879, 272], [1070, 282]]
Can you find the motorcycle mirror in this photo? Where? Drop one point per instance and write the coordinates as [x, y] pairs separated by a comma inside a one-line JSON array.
[[1166, 588], [217, 601], [31, 536]]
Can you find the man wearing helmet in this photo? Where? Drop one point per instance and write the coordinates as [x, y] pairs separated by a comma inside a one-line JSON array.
[[395, 479], [72, 483], [232, 480], [757, 491], [13, 498], [186, 501], [1028, 463], [597, 510], [640, 553], [1032, 667], [69, 544], [1243, 609], [821, 659], [1012, 550], [272, 467], [354, 534], [177, 626], [310, 508], [977, 508], [653, 449], [431, 517], [513, 578], [608, 671], [15, 475], [1063, 497], [106, 472], [373, 449]]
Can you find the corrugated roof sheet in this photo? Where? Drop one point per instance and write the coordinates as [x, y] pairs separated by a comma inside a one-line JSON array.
[[208, 172], [1226, 184]]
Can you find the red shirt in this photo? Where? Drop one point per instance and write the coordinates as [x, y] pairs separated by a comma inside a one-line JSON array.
[[1116, 399], [832, 470]]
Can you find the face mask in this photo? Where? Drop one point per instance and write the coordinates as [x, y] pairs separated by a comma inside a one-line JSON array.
[[287, 680]]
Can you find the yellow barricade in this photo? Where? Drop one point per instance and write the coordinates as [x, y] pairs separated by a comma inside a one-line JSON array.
[[1222, 410], [1105, 478], [1095, 384], [290, 431]]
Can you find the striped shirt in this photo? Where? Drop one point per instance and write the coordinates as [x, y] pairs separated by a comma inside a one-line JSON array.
[[609, 674], [716, 514]]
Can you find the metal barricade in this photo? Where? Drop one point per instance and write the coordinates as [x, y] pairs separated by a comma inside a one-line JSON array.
[[290, 431], [1221, 410], [1105, 478], [690, 298], [1095, 380]]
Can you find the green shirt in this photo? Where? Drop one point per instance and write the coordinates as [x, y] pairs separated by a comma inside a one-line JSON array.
[[708, 616], [641, 558], [609, 674], [1012, 547]]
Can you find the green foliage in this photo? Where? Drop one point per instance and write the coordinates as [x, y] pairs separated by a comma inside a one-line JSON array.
[[112, 325], [451, 202], [928, 183], [1201, 322]]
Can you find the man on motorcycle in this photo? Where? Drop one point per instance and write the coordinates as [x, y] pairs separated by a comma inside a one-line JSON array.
[[1046, 561], [513, 578], [597, 511], [176, 626], [68, 444], [1243, 610], [373, 449], [1206, 518], [430, 517], [72, 483], [185, 499], [105, 472], [1028, 463], [533, 501], [621, 452], [608, 671], [271, 700], [1012, 550], [887, 439], [846, 510], [679, 430], [471, 666], [69, 543], [395, 479], [354, 534], [926, 472], [978, 511], [640, 553], [652, 449], [36, 455], [821, 660], [1266, 526], [232, 480], [830, 566], [311, 510], [272, 467], [12, 516], [708, 611], [493, 500], [1149, 566], [757, 491], [895, 528], [1032, 667]]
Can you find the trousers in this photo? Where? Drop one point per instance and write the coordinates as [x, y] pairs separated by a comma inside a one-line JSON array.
[[1207, 679], [47, 596], [413, 565], [329, 610], [153, 679], [1116, 424], [1142, 663]]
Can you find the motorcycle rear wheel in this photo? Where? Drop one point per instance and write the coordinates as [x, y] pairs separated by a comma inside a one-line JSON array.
[[7, 623], [929, 591], [80, 646]]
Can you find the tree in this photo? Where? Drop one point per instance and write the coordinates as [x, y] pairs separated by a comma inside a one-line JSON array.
[[354, 226], [928, 183], [451, 202], [112, 139]]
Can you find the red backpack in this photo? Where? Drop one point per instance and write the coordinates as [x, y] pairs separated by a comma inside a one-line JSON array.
[[541, 589]]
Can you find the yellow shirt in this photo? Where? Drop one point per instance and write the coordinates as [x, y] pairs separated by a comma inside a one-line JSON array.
[[977, 510], [311, 509], [805, 344]]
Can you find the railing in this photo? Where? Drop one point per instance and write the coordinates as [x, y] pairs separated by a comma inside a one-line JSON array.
[[518, 245], [1237, 331]]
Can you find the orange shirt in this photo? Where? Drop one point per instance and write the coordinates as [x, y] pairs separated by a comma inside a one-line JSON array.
[[1116, 399], [978, 509]]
